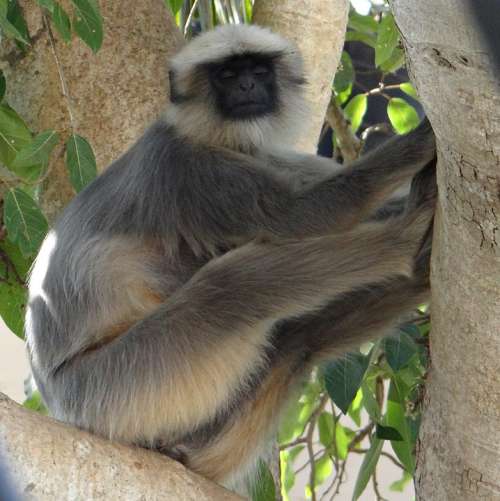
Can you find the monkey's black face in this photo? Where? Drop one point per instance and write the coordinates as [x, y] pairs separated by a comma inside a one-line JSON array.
[[244, 86]]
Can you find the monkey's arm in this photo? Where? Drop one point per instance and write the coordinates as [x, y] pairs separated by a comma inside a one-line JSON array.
[[370, 312], [232, 196], [352, 193]]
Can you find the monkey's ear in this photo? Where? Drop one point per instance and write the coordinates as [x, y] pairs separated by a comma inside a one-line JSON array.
[[175, 96]]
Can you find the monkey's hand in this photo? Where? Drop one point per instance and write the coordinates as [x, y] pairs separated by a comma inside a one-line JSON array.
[[423, 193], [420, 141]]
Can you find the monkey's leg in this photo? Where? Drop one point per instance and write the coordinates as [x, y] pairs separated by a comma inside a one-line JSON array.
[[174, 370], [343, 325], [350, 320], [354, 318]]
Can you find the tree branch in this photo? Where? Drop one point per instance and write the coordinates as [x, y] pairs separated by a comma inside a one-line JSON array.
[[54, 461], [350, 145]]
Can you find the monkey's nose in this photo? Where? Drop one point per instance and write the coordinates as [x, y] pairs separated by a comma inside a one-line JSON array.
[[246, 84]]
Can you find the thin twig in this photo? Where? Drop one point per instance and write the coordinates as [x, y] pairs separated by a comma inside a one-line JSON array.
[[190, 16], [375, 486], [349, 144], [298, 441], [306, 464], [383, 453], [361, 435], [336, 482], [309, 438], [64, 87]]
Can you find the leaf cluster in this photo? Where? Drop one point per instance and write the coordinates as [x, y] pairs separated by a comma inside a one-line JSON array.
[[26, 159]]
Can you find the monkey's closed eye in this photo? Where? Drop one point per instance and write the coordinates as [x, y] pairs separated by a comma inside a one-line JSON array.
[[226, 74], [260, 70]]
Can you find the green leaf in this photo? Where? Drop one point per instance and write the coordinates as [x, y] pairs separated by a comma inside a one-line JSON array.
[[342, 97], [13, 294], [323, 469], [35, 403], [287, 471], [343, 437], [14, 135], [424, 328], [387, 433], [80, 161], [263, 489], [399, 349], [399, 485], [47, 4], [289, 428], [394, 62], [355, 111], [12, 21], [357, 36], [298, 413], [25, 223], [3, 85], [363, 24], [62, 22], [395, 417], [355, 408], [345, 73], [343, 378], [367, 467], [402, 115], [88, 23], [370, 402], [325, 427], [387, 39], [287, 458], [38, 151], [175, 6], [248, 10], [16, 18], [21, 263], [408, 88]]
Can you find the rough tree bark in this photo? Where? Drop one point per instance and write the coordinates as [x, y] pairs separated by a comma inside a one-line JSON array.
[[459, 446], [51, 461], [108, 97], [318, 28]]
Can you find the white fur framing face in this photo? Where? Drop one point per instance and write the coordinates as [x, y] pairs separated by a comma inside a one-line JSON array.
[[195, 115]]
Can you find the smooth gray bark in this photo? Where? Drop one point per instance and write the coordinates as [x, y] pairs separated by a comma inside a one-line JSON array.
[[318, 28]]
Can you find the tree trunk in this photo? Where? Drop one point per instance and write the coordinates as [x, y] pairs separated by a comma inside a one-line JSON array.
[[459, 446], [51, 461], [108, 97], [318, 28]]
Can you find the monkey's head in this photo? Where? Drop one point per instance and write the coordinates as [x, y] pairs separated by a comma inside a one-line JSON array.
[[239, 87]]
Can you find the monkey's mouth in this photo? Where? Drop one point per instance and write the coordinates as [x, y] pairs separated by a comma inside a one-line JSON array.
[[249, 109]]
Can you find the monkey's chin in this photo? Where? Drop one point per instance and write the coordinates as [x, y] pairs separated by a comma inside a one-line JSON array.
[[247, 111]]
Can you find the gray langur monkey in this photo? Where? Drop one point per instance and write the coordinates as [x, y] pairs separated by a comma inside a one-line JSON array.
[[185, 293]]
